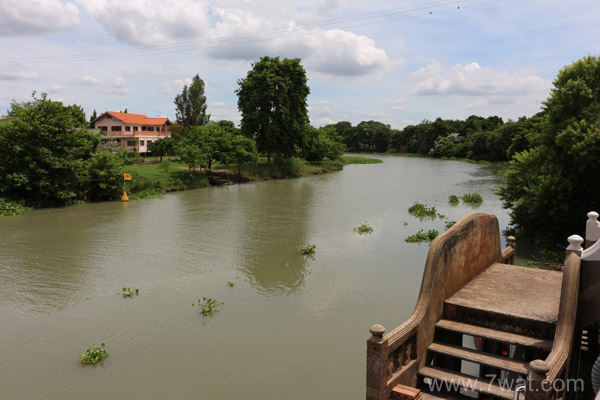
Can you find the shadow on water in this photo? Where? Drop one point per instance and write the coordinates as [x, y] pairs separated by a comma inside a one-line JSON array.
[[274, 229]]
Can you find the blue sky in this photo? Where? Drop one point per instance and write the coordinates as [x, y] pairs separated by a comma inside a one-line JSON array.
[[396, 62]]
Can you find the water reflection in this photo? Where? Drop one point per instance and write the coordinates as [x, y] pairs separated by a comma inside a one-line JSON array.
[[275, 226]]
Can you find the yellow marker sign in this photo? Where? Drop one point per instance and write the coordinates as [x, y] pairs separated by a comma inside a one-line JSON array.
[[127, 177]]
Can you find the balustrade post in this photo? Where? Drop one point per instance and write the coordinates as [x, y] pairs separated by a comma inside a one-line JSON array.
[[592, 229], [538, 386], [511, 242], [575, 242], [377, 355]]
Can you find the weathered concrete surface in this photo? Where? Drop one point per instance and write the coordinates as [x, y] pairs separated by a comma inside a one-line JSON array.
[[512, 298]]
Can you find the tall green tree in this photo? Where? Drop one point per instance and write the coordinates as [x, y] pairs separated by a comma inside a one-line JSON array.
[[550, 187], [47, 153], [272, 101], [190, 105]]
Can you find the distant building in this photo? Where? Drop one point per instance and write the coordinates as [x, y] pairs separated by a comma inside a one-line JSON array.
[[458, 138], [130, 131]]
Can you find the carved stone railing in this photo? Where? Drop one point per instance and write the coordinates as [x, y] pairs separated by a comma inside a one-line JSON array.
[[455, 258], [550, 378]]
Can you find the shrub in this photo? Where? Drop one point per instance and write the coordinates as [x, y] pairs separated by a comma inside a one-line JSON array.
[[8, 208], [147, 194]]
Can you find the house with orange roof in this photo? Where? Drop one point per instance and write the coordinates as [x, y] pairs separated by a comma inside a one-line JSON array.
[[130, 131]]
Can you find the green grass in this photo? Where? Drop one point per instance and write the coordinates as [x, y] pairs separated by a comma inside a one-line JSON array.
[[149, 179], [360, 160]]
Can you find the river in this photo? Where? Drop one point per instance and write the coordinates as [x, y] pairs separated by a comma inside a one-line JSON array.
[[291, 327]]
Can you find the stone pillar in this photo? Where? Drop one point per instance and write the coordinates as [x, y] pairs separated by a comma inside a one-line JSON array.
[[376, 363], [575, 242], [592, 229], [538, 386]]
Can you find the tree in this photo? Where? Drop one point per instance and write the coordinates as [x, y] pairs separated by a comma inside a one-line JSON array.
[[242, 151], [162, 147], [322, 143], [272, 100], [190, 105], [92, 118], [550, 187], [46, 156]]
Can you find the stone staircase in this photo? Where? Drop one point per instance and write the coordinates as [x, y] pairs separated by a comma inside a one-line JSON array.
[[519, 309]]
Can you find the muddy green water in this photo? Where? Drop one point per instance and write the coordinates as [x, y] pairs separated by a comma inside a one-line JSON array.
[[292, 327]]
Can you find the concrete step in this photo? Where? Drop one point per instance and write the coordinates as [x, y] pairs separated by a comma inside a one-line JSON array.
[[511, 299], [457, 380], [494, 334], [487, 359]]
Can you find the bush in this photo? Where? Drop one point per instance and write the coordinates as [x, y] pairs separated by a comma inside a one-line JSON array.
[[8, 208]]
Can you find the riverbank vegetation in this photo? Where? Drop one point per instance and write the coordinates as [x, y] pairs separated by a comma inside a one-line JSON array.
[[49, 157]]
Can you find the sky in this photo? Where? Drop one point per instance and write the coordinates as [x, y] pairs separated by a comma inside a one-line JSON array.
[[397, 62]]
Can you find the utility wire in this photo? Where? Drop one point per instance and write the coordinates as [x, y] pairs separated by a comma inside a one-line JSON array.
[[256, 37]]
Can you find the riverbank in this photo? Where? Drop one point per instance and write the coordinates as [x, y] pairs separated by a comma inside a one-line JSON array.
[[418, 155], [149, 179]]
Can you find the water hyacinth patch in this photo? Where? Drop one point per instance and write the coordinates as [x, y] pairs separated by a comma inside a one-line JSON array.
[[309, 249], [363, 229], [93, 355]]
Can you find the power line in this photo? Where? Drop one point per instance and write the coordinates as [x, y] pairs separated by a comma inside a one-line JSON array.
[[259, 36]]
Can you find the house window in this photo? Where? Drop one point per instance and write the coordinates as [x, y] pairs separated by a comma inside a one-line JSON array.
[[103, 128], [127, 128], [150, 129], [135, 128], [115, 128], [149, 141], [131, 143], [141, 143]]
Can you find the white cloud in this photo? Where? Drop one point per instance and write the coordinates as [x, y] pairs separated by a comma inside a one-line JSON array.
[[322, 121], [473, 80], [219, 104], [145, 71], [17, 72], [175, 86], [398, 104], [88, 81], [239, 32], [119, 86], [29, 17], [56, 89], [338, 52], [147, 23]]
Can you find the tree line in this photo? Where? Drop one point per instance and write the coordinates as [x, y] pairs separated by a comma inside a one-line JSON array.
[[476, 138]]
